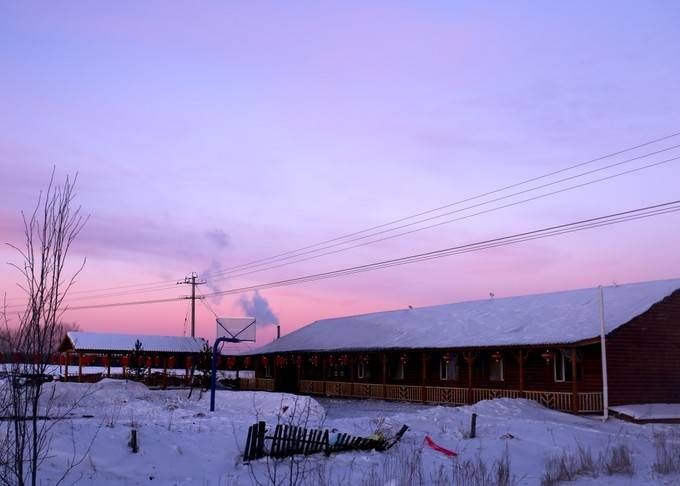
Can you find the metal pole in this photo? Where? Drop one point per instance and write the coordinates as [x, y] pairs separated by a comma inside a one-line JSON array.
[[213, 377], [193, 304], [603, 347]]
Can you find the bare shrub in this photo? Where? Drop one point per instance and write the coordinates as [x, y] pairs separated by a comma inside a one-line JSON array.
[[617, 460], [560, 468], [30, 406], [667, 460], [295, 469], [569, 465]]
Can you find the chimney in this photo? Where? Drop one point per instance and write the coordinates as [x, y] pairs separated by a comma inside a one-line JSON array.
[[278, 331]]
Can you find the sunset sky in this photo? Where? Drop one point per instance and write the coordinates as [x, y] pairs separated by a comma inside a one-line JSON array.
[[208, 135]]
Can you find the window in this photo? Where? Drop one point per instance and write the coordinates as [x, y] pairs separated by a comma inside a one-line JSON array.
[[496, 370], [562, 366], [448, 367], [362, 370]]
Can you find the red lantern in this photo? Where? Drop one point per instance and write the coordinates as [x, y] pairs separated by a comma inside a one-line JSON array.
[[280, 361], [188, 363], [231, 362], [265, 361], [497, 356], [171, 362], [149, 362], [36, 358], [547, 356], [314, 360], [106, 361], [124, 361], [62, 359], [247, 362]]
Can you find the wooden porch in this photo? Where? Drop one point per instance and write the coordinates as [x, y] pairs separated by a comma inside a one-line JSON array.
[[566, 378], [587, 402]]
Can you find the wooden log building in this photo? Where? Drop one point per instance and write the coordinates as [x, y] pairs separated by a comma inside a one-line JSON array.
[[112, 350], [543, 347]]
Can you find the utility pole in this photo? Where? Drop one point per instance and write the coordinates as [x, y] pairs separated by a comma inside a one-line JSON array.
[[193, 281]]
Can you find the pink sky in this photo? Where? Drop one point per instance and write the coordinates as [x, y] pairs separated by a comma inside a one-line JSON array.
[[209, 136]]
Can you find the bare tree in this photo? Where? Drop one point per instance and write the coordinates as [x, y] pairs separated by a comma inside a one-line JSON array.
[[28, 405]]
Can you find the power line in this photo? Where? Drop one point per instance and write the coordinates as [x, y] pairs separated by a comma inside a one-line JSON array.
[[157, 286], [429, 211], [440, 223], [581, 225], [208, 306]]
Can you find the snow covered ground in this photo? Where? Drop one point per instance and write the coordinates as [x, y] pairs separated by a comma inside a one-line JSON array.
[[650, 411], [182, 443]]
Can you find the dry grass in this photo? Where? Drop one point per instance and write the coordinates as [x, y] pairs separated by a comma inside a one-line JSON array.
[[569, 465], [667, 460]]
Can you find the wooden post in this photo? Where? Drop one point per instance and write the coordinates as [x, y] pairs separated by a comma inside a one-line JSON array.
[[133, 441], [80, 367], [352, 371], [521, 358], [108, 367], [423, 375], [384, 374], [473, 426], [165, 372], [470, 359], [66, 359], [574, 384]]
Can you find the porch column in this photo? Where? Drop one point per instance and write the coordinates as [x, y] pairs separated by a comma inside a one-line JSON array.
[[574, 384], [352, 371], [66, 358], [80, 367], [521, 358], [108, 367], [384, 374], [470, 359], [423, 375]]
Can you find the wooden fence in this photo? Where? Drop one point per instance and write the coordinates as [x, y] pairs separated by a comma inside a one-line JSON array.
[[589, 402]]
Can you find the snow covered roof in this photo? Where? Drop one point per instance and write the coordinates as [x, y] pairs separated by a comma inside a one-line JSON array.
[[102, 341], [552, 318]]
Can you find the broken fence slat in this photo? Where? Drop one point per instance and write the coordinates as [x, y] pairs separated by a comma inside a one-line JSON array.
[[259, 449], [246, 449]]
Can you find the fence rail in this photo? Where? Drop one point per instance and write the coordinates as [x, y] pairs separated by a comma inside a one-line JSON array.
[[588, 402]]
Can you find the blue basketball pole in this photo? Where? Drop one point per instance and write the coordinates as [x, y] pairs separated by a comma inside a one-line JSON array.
[[213, 376]]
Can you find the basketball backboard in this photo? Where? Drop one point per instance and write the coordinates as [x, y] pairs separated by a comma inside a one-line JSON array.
[[236, 329]]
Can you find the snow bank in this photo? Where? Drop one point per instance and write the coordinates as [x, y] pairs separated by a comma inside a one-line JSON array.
[[650, 411]]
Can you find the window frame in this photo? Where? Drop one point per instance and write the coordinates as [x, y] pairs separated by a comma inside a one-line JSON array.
[[501, 364], [444, 368], [361, 370]]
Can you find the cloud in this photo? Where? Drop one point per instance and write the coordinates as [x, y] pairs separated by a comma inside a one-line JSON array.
[[258, 307], [219, 238]]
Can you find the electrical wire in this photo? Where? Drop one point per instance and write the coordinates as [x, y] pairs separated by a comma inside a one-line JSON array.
[[441, 223], [551, 231], [615, 218], [468, 199]]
